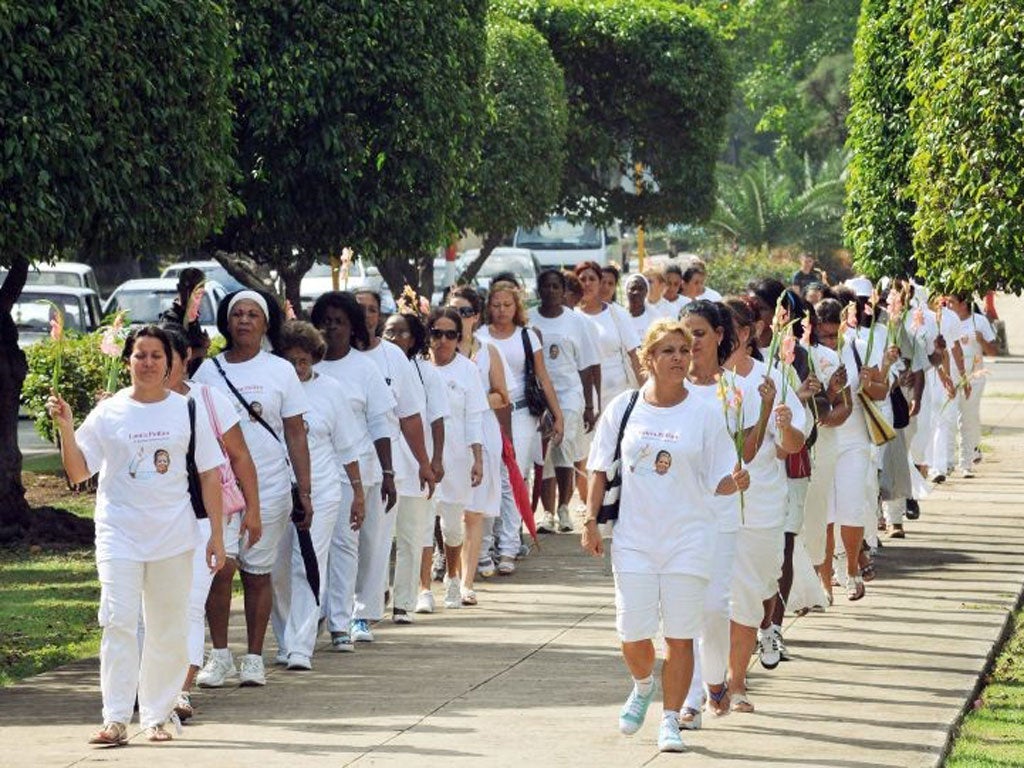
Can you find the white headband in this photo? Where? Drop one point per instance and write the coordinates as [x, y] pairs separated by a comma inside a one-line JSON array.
[[637, 277], [250, 296]]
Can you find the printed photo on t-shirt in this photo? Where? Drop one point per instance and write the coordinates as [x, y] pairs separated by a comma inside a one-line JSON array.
[[652, 456], [257, 409], [554, 351], [151, 456]]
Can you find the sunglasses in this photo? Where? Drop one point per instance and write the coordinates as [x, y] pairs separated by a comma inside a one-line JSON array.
[[466, 311], [437, 333]]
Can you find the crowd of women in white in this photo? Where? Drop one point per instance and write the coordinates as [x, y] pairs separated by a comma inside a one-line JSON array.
[[735, 456]]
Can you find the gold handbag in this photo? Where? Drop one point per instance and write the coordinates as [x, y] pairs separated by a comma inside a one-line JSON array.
[[879, 430]]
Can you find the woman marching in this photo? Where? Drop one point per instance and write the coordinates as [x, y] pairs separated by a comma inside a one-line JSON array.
[[674, 456], [145, 530], [333, 453], [463, 445], [270, 403]]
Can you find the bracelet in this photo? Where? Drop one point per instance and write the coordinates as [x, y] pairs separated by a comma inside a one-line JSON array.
[[590, 520], [388, 472], [304, 495]]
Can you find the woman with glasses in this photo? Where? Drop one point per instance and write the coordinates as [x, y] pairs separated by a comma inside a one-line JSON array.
[[463, 445], [414, 524], [506, 330], [343, 324], [489, 496]]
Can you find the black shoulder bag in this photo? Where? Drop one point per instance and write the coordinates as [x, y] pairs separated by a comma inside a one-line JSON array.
[[536, 400], [195, 488], [610, 503]]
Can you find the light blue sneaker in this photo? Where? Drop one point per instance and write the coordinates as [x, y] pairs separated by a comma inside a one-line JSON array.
[[360, 631], [634, 711], [669, 739]]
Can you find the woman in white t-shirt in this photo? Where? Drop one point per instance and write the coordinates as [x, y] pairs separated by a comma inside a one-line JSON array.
[[773, 428], [573, 366], [616, 339], [343, 325], [213, 409], [463, 442], [333, 452], [506, 330], [977, 339], [269, 402], [416, 511], [674, 457], [138, 442], [641, 314], [487, 497]]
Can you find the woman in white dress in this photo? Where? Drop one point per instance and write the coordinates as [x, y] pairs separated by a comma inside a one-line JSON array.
[[674, 455], [463, 444], [138, 441]]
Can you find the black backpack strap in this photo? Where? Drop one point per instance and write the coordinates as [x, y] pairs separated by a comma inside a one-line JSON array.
[[625, 418], [245, 403], [195, 490], [527, 352]]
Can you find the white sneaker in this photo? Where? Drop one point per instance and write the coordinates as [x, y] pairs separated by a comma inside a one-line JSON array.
[[547, 524], [767, 649], [218, 668], [564, 520], [507, 566], [669, 739], [780, 643], [250, 670], [425, 602], [689, 719], [967, 473], [360, 631], [486, 569], [342, 641], [281, 659], [452, 593], [299, 661], [400, 617]]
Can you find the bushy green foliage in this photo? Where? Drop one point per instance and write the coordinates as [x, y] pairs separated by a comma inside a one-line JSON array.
[[647, 82], [83, 377], [730, 272], [519, 175], [967, 172], [115, 127], [879, 207]]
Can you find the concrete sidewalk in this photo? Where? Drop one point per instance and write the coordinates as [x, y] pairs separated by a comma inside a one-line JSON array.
[[532, 676]]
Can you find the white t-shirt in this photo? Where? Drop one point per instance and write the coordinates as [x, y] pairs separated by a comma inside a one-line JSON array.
[[726, 509], [672, 308], [433, 395], [973, 353], [272, 388], [615, 337], [143, 509], [710, 294], [401, 378], [515, 358], [492, 430], [568, 350], [765, 501], [463, 427], [222, 406], [329, 432], [672, 462], [853, 432], [372, 406], [644, 321]]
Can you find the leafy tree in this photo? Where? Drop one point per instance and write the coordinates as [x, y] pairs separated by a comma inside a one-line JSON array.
[[967, 172], [764, 208], [115, 138], [879, 208], [647, 82], [356, 125], [518, 179]]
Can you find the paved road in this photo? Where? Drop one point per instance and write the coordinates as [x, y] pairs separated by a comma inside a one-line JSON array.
[[532, 676]]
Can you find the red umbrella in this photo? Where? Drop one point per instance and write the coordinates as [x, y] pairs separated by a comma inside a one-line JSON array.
[[520, 492]]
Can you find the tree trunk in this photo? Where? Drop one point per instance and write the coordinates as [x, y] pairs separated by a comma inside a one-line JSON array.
[[14, 511], [247, 271], [291, 273], [399, 272], [491, 241]]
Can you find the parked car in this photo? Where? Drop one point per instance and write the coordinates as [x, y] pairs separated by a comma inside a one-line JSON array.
[[145, 299], [32, 315], [317, 281], [67, 273], [213, 270], [519, 261]]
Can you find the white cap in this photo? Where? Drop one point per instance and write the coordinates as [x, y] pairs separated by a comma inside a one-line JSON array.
[[860, 285]]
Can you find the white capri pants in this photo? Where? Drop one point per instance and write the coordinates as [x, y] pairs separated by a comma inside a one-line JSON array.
[[452, 530], [414, 531], [275, 515], [344, 562], [819, 491], [161, 588], [756, 572], [713, 645], [855, 478], [643, 601]]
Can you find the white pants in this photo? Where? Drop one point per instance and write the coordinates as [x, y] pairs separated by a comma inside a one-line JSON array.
[[162, 588], [944, 420], [452, 530], [375, 537], [825, 454], [712, 651], [344, 562], [969, 423], [302, 611], [507, 527], [201, 581], [414, 531]]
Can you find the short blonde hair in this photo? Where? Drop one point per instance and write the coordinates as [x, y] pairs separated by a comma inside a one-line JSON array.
[[654, 275], [298, 334], [504, 286], [655, 334]]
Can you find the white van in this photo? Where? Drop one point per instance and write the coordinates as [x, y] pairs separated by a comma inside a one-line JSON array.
[[561, 243]]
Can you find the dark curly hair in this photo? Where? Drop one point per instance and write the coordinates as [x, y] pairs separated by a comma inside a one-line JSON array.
[[346, 302]]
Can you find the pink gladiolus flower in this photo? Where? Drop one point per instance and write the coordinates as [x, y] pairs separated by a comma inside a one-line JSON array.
[[787, 351], [424, 306], [108, 343], [289, 310], [894, 305], [346, 256], [917, 321], [57, 326]]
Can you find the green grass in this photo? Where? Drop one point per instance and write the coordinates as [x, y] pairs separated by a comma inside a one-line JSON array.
[[47, 611], [992, 735]]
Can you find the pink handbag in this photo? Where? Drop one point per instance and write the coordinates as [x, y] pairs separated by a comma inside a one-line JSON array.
[[232, 499]]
